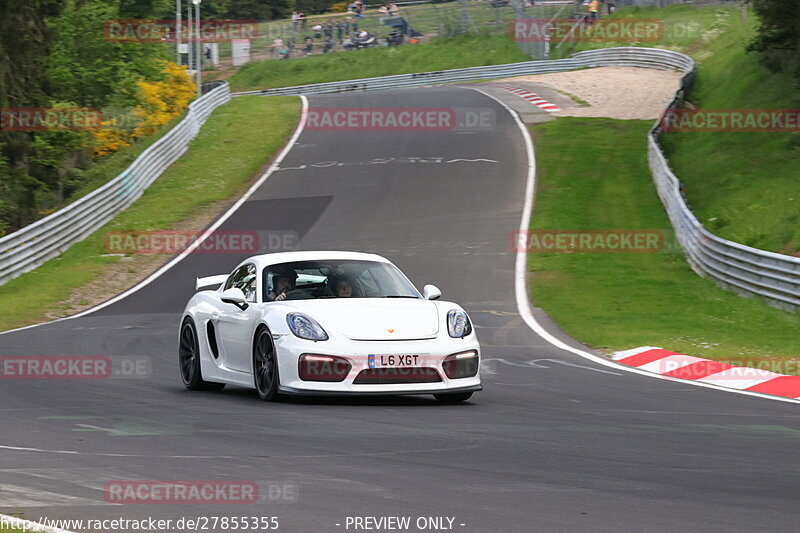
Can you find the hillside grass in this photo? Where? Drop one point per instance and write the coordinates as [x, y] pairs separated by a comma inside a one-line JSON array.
[[441, 54], [615, 301], [742, 186]]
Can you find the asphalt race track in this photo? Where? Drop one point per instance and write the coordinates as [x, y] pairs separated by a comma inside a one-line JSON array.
[[555, 442]]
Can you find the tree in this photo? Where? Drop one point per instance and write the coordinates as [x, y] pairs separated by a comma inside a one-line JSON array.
[[778, 38], [314, 6], [258, 9], [25, 42], [55, 53], [92, 69]]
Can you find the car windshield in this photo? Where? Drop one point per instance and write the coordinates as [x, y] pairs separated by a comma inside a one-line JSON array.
[[306, 280]]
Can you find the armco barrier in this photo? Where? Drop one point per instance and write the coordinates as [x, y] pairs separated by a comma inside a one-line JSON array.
[[743, 269], [32, 245], [747, 270], [636, 57]]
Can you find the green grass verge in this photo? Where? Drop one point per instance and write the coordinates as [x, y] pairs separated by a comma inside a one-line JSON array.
[[442, 54], [742, 186], [684, 28], [593, 174], [238, 139]]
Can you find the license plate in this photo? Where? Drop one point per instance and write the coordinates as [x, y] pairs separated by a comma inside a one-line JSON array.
[[394, 360]]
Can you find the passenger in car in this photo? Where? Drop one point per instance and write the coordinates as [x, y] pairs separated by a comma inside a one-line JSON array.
[[344, 289]]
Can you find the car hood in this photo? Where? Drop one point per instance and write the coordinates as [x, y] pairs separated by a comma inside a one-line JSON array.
[[381, 319]]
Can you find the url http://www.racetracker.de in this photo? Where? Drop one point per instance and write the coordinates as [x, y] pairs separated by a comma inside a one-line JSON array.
[[199, 523]]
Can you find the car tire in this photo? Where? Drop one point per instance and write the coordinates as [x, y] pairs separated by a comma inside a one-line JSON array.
[[453, 397], [189, 359], [266, 378]]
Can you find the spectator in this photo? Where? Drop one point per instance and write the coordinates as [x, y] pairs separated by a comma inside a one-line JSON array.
[[393, 10], [339, 31], [317, 29], [278, 46], [295, 20], [594, 7], [309, 45], [302, 21]]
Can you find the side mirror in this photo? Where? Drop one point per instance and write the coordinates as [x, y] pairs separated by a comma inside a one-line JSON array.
[[431, 292], [236, 297]]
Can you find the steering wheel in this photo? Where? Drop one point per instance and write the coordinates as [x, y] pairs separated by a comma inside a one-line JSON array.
[[299, 294]]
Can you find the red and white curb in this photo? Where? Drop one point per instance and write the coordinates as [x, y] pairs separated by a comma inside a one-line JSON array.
[[679, 366], [535, 99]]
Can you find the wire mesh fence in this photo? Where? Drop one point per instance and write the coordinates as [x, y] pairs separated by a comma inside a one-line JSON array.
[[422, 20], [333, 32]]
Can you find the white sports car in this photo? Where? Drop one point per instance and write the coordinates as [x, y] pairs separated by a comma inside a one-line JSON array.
[[326, 323]]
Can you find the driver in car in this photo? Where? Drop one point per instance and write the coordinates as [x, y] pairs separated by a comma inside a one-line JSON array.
[[282, 284]]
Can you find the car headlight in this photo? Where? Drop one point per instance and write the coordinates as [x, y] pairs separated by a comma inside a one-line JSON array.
[[458, 324], [306, 327]]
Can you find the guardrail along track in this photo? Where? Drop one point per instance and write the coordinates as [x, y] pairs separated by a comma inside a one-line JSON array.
[[747, 270], [34, 244]]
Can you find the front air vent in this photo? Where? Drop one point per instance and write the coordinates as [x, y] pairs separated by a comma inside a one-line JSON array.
[[212, 339]]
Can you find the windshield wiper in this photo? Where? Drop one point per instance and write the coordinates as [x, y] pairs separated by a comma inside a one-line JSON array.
[[399, 296]]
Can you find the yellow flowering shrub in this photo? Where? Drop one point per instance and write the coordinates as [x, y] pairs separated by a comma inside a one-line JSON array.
[[109, 139], [158, 102]]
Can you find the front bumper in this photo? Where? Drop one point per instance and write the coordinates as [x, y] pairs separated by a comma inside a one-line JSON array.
[[289, 390], [432, 353]]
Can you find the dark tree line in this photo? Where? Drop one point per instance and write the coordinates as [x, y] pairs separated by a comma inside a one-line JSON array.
[[54, 53], [778, 39]]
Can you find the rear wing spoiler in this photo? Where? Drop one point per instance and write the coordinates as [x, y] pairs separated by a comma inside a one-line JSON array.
[[211, 280]]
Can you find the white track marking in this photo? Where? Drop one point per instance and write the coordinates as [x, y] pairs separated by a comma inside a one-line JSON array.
[[521, 285]]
